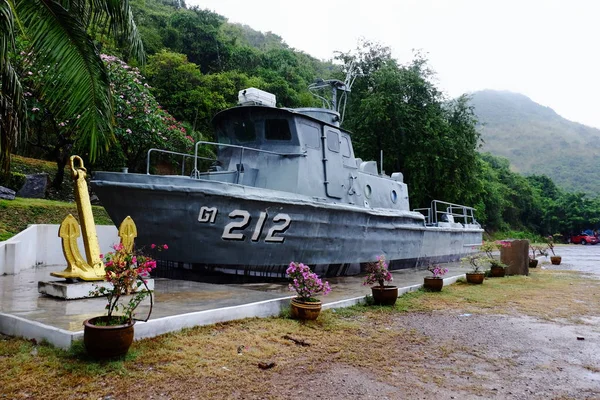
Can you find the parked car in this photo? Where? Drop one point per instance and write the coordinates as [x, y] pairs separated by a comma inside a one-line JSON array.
[[583, 239]]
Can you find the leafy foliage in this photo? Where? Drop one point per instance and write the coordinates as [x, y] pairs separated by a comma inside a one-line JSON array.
[[76, 83]]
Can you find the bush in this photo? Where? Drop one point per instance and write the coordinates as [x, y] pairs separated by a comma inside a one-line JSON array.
[[532, 237], [15, 181]]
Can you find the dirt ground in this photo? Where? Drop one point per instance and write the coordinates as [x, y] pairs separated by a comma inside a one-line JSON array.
[[505, 358]]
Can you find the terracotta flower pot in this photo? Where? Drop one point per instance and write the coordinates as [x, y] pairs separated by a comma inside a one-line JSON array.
[[305, 310], [105, 341], [497, 272], [555, 260], [433, 284], [384, 296], [475, 277], [533, 263]]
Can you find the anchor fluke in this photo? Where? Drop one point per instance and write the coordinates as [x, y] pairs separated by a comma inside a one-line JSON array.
[[127, 233], [77, 267]]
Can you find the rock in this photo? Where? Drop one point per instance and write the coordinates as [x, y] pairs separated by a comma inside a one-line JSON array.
[[6, 193], [34, 187], [266, 365]]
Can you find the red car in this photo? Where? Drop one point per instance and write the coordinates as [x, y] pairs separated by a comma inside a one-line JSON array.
[[584, 239]]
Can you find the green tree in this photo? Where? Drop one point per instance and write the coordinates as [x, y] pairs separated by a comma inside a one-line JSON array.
[[77, 84], [398, 109]]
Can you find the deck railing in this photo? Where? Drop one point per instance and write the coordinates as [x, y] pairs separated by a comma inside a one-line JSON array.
[[183, 157], [442, 211], [196, 173]]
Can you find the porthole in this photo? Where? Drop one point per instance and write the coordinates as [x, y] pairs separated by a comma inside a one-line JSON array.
[[368, 191], [394, 196]]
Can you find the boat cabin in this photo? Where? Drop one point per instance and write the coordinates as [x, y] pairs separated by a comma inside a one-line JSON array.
[[301, 151]]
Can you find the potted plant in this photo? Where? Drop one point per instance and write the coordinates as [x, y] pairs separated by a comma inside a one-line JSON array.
[[476, 275], [112, 334], [536, 250], [377, 272], [307, 285], [436, 282], [497, 268], [554, 259]]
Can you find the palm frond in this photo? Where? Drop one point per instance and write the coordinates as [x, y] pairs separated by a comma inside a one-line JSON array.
[[76, 85], [116, 15], [13, 111]]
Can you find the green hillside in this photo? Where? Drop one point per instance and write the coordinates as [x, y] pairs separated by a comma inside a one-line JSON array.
[[537, 140]]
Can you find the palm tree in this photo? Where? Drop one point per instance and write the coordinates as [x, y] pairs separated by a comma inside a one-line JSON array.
[[76, 84]]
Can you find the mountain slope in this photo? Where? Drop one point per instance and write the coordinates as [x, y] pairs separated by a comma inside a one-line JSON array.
[[537, 140]]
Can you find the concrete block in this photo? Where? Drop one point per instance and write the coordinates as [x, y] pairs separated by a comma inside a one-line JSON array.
[[76, 290]]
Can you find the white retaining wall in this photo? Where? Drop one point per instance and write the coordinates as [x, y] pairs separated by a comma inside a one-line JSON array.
[[40, 245]]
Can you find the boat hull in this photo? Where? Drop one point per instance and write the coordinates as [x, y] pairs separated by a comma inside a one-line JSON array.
[[230, 227]]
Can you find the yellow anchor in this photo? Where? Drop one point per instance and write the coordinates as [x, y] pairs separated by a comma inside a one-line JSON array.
[[77, 267]]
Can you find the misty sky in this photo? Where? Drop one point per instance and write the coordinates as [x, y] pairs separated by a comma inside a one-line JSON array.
[[547, 50]]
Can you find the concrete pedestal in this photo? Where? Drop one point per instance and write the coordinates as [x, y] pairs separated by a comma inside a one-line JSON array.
[[516, 257], [77, 290]]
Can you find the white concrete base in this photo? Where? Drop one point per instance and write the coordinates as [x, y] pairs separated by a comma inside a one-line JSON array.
[[76, 290], [13, 325], [39, 245], [17, 326]]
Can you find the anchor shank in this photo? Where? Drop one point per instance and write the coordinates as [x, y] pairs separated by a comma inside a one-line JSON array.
[[84, 208]]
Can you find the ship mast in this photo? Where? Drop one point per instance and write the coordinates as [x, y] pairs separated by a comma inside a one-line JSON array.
[[335, 103]]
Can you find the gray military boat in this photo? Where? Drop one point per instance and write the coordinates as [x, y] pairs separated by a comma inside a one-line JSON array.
[[285, 186]]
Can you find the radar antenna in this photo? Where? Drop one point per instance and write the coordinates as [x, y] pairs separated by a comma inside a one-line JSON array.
[[336, 103]]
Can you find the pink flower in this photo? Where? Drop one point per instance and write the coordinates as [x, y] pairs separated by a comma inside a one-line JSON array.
[[152, 246], [165, 246], [377, 272], [307, 284]]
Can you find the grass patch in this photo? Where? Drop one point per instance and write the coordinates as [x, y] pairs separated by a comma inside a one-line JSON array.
[[26, 165], [17, 214], [220, 361]]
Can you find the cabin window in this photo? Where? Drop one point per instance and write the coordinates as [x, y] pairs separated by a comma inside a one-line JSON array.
[[333, 141], [311, 135], [244, 131], [277, 129], [345, 147]]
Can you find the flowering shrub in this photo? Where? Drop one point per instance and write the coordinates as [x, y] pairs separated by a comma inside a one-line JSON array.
[[140, 122], [306, 283], [537, 250], [550, 243], [126, 272], [437, 270], [475, 260], [378, 272], [489, 247]]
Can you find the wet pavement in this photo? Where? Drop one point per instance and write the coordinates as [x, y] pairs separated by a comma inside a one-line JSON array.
[[19, 296]]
